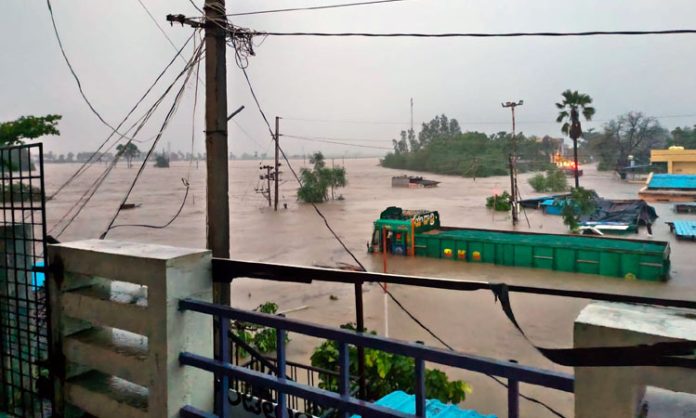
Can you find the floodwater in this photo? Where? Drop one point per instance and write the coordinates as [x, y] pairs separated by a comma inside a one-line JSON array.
[[469, 321]]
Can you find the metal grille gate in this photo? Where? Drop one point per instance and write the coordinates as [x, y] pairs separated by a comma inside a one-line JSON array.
[[25, 384]]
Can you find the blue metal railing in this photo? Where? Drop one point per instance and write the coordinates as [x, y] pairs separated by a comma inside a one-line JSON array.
[[343, 401]]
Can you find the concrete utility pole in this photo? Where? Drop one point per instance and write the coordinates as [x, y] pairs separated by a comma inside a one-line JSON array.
[[218, 207], [277, 163], [513, 162]]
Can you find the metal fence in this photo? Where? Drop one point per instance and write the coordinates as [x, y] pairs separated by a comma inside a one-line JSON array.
[[343, 401], [24, 342]]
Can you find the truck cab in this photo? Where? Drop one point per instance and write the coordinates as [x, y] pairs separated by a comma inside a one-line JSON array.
[[395, 229]]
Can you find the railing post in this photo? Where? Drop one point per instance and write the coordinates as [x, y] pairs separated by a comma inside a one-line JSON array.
[[223, 393], [513, 396], [282, 408], [420, 386], [344, 376]]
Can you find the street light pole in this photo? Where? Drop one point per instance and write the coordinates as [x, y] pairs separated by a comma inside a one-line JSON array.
[[513, 162]]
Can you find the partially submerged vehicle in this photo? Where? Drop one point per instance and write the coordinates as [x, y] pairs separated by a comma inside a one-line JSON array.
[[419, 233]]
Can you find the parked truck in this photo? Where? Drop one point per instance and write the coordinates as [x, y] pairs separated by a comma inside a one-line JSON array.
[[419, 233]]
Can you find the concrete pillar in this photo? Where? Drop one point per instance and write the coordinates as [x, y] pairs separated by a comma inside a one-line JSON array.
[[618, 391], [118, 327]]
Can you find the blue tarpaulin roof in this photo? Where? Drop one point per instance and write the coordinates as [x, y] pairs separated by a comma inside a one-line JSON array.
[[673, 181], [403, 402]]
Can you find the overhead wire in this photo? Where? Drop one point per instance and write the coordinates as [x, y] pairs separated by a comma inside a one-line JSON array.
[[479, 34], [330, 6], [362, 267], [327, 141], [89, 193], [74, 74], [165, 123], [91, 158], [186, 181]]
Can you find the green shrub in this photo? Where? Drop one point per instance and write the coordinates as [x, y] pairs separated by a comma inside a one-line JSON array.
[[538, 182], [385, 373], [500, 203], [554, 181]]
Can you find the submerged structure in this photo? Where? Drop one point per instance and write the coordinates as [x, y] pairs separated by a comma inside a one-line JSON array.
[[419, 233], [413, 182], [669, 188]]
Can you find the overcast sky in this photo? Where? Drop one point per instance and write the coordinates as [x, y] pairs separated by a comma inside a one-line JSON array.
[[117, 51]]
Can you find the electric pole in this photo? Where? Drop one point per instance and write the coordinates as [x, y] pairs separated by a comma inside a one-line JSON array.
[[268, 177], [513, 162], [277, 164]]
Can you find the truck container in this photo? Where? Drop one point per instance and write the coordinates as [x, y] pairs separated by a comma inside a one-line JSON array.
[[419, 233]]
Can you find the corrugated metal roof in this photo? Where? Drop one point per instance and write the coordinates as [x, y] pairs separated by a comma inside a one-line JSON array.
[[673, 181], [403, 402]]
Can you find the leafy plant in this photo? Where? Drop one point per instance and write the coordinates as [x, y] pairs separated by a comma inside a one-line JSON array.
[[580, 202], [28, 127], [317, 182], [386, 372], [538, 182], [554, 181], [500, 203], [263, 339]]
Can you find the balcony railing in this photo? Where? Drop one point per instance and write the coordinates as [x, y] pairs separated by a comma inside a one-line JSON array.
[[344, 401]]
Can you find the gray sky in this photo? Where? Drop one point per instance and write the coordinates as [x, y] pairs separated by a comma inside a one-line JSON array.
[[117, 51]]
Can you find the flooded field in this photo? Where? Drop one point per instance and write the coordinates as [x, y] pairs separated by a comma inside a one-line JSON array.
[[471, 322]]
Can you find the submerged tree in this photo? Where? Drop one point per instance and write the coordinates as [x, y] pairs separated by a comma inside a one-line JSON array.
[[317, 181], [570, 108], [127, 151]]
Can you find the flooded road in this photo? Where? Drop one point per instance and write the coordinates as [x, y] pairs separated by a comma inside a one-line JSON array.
[[471, 322]]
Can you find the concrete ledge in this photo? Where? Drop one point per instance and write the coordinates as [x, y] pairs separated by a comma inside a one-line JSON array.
[[618, 391], [107, 397]]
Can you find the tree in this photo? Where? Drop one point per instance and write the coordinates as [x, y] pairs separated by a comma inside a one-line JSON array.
[[127, 151], [317, 181], [684, 137], [385, 373], [573, 103], [28, 127], [580, 202], [632, 134]]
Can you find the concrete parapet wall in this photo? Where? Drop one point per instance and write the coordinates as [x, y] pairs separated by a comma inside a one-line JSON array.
[[618, 391], [117, 325]]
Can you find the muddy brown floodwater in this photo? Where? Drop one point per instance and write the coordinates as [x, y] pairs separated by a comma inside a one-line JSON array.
[[471, 322]]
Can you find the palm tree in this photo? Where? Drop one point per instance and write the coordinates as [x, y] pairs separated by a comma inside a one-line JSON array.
[[573, 103]]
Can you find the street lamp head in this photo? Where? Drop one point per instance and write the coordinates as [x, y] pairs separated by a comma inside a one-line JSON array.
[[520, 103]]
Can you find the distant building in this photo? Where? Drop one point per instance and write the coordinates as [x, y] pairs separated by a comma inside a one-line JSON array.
[[678, 159]]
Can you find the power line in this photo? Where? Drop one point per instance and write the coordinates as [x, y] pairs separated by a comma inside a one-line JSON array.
[[332, 6], [477, 34], [89, 193], [326, 141], [165, 123], [372, 141], [72, 71], [366, 122], [91, 159]]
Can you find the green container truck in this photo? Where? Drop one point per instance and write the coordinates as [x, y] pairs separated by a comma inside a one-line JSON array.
[[418, 232]]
